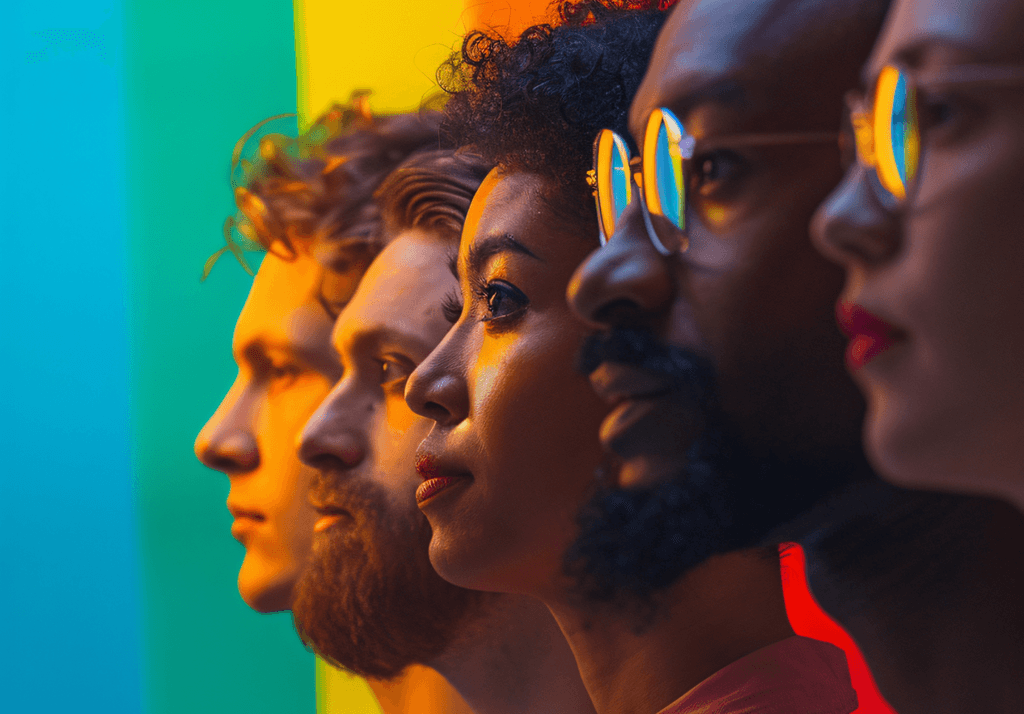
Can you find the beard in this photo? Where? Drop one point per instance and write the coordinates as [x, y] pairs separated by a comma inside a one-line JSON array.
[[369, 600], [635, 543]]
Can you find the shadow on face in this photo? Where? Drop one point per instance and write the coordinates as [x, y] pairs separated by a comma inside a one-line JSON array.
[[933, 278], [759, 88], [514, 446], [370, 600], [285, 368]]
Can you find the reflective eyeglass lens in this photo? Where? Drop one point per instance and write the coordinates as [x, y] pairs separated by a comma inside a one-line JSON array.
[[614, 187], [897, 132], [664, 186]]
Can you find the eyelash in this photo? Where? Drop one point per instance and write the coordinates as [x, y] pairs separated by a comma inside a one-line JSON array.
[[451, 307], [395, 381], [484, 291], [725, 159], [282, 376]]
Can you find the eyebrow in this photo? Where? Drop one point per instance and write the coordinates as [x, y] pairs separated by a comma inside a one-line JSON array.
[[726, 91], [479, 253], [376, 337], [259, 351]]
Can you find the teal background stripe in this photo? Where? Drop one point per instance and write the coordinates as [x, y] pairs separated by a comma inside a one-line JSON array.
[[69, 578], [117, 565], [199, 74]]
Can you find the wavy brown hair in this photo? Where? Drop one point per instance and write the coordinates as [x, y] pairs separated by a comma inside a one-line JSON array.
[[319, 186]]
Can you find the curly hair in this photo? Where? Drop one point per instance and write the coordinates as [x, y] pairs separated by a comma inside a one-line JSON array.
[[535, 103], [320, 185], [430, 190]]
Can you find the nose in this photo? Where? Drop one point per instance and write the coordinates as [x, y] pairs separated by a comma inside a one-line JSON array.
[[852, 227], [331, 439], [627, 271], [437, 389], [228, 441]]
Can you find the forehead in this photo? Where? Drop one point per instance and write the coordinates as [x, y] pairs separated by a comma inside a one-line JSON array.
[[504, 203], [703, 43], [283, 300], [969, 30], [402, 289]]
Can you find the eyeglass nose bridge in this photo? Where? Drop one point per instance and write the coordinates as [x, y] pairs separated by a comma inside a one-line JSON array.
[[637, 175]]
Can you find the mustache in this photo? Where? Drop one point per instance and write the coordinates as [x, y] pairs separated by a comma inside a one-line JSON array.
[[328, 485], [641, 349]]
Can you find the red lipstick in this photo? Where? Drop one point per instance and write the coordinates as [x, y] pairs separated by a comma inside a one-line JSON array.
[[431, 487], [869, 334], [433, 482]]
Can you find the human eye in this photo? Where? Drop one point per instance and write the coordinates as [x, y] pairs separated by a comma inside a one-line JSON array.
[[394, 370], [714, 171], [937, 111], [502, 300], [283, 374]]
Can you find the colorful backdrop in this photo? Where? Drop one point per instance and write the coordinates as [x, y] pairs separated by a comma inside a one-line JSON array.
[[118, 118]]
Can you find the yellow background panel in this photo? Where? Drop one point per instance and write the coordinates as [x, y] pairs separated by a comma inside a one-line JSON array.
[[390, 46]]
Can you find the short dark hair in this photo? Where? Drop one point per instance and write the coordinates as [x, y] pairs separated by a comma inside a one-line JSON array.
[[535, 103], [430, 190]]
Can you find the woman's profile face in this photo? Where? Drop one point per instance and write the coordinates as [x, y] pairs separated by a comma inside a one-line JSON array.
[[942, 365], [513, 452]]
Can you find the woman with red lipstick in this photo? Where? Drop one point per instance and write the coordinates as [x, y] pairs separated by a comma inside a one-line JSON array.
[[928, 225]]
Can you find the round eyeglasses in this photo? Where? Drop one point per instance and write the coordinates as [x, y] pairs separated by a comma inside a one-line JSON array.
[[888, 132], [662, 174]]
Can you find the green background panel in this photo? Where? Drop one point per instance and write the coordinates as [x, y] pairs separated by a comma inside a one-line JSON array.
[[198, 75]]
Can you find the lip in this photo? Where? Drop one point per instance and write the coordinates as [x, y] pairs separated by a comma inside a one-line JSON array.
[[437, 475], [433, 486], [869, 334], [616, 383], [640, 399], [329, 514]]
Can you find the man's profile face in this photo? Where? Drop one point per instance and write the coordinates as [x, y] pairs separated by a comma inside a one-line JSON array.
[[749, 296], [370, 601], [286, 366]]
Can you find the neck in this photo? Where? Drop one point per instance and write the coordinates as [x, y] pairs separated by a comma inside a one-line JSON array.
[[717, 613], [514, 660], [930, 587]]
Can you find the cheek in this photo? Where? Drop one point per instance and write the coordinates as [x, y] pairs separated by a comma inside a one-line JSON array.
[[537, 417], [395, 452], [964, 258]]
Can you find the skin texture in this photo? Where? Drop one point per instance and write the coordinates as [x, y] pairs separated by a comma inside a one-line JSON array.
[[750, 293], [516, 424], [504, 654], [946, 402], [516, 427], [285, 368]]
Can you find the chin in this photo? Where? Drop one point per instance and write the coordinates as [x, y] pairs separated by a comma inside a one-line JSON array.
[[265, 592], [477, 569]]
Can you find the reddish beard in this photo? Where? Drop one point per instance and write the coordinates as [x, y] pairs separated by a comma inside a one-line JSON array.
[[369, 600]]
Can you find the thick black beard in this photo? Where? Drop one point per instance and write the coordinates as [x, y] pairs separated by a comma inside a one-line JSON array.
[[635, 543], [369, 601]]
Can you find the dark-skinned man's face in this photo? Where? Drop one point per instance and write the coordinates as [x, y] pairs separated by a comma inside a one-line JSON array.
[[747, 306]]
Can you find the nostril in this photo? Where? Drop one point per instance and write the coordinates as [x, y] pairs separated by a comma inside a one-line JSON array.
[[618, 313], [327, 463], [436, 412], [231, 453]]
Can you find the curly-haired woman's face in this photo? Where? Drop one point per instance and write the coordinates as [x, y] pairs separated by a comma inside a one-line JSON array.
[[514, 449]]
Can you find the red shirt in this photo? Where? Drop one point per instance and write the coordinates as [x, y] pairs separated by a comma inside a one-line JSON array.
[[796, 675]]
